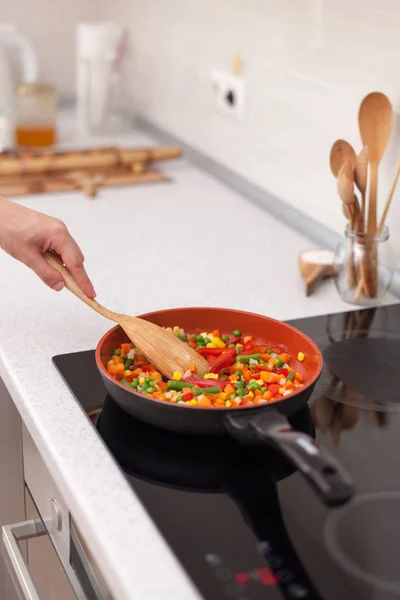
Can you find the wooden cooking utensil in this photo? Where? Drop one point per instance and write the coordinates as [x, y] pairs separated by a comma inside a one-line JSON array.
[[162, 348], [341, 152], [361, 180], [346, 193], [375, 120], [315, 265], [389, 199]]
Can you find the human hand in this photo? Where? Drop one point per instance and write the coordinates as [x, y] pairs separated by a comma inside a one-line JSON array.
[[26, 235]]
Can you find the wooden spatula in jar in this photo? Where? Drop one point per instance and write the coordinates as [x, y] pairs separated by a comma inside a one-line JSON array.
[[162, 348]]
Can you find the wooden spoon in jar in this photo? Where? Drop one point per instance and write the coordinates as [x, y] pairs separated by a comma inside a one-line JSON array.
[[361, 180], [162, 348], [375, 122], [341, 152]]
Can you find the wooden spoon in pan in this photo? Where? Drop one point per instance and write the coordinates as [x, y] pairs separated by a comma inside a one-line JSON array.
[[162, 348]]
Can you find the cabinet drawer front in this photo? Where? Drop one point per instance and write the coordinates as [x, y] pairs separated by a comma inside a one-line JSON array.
[[44, 491]]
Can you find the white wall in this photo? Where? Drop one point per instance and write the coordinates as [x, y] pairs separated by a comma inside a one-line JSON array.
[[50, 25], [308, 64]]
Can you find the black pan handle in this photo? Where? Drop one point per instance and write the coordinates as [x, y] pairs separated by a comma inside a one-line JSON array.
[[327, 476]]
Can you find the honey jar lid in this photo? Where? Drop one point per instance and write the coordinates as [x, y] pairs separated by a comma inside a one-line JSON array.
[[31, 89]]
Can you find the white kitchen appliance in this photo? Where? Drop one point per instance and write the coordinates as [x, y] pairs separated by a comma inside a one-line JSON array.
[[18, 63]]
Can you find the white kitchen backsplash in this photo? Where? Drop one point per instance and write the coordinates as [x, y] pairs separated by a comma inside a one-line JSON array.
[[307, 65]]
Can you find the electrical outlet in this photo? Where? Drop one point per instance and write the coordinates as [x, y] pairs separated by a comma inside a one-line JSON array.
[[228, 93]]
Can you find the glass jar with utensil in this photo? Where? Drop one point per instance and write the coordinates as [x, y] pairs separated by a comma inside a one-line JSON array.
[[364, 266]]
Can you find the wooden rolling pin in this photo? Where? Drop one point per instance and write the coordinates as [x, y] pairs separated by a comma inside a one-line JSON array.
[[83, 160]]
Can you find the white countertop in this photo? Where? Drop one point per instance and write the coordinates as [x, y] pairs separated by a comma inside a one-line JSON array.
[[192, 241]]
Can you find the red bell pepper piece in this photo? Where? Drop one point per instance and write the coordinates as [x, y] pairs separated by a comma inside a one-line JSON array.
[[277, 349], [188, 396], [273, 388], [211, 351], [284, 372], [255, 349], [248, 346], [225, 360], [205, 383], [233, 340]]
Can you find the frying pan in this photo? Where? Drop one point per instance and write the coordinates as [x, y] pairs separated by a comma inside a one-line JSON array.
[[216, 465], [266, 424]]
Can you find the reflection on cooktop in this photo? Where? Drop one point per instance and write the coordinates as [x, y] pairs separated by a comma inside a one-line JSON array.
[[373, 520]]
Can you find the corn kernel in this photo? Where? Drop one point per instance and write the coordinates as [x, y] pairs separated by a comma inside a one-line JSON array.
[[301, 356], [127, 373], [228, 404], [141, 381], [176, 330], [210, 336], [211, 376], [177, 376], [204, 334], [248, 338], [110, 362], [239, 346], [169, 329], [193, 402], [222, 396], [281, 391], [251, 394], [260, 381]]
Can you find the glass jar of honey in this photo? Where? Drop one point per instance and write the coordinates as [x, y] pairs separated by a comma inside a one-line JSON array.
[[35, 115]]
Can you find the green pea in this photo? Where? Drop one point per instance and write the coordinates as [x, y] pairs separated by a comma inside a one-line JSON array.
[[279, 363], [225, 338], [135, 383], [238, 373], [291, 375], [207, 341], [252, 381], [150, 390], [269, 351], [181, 337], [117, 352], [263, 389], [178, 398], [198, 338], [201, 345], [236, 333], [148, 380], [231, 346], [255, 386], [232, 396], [145, 387]]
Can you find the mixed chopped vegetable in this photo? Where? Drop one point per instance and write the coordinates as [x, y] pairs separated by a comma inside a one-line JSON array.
[[242, 372]]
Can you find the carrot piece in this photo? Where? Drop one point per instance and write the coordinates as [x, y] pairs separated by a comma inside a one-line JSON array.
[[285, 357], [247, 338], [265, 357], [298, 377], [229, 389], [289, 385], [192, 368], [192, 344], [125, 349], [233, 378], [268, 395], [155, 375], [117, 360], [162, 385], [136, 372], [267, 376], [247, 375], [216, 333]]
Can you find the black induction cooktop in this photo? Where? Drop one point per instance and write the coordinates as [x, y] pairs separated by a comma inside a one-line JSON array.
[[240, 520]]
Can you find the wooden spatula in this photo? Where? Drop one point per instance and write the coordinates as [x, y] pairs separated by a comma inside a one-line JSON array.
[[162, 348]]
